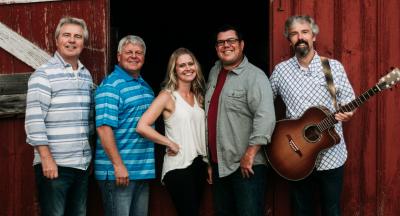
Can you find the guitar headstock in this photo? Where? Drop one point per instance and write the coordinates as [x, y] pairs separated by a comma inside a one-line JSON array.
[[390, 79]]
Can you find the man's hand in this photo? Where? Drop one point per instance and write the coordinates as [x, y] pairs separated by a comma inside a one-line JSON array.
[[344, 116], [246, 162], [121, 175], [49, 167]]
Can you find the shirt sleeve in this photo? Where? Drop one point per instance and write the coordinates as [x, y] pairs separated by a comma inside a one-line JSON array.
[[107, 101], [38, 101], [261, 104], [345, 93], [274, 83], [92, 107]]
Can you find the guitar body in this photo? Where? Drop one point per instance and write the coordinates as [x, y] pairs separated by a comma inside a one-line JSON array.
[[295, 144]]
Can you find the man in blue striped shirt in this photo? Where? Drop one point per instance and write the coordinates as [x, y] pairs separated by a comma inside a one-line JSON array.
[[57, 124], [124, 159]]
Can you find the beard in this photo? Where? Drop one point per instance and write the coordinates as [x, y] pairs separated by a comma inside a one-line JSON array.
[[301, 51]]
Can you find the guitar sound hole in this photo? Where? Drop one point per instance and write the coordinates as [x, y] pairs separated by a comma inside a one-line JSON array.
[[311, 133]]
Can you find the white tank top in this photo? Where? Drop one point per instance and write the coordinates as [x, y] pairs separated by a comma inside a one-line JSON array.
[[186, 127]]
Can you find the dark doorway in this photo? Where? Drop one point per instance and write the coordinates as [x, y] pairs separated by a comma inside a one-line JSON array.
[[168, 25]]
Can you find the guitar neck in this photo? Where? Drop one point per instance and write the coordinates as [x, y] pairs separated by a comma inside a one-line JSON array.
[[360, 100], [330, 120]]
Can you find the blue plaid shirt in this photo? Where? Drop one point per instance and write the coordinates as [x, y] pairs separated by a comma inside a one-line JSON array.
[[120, 102], [301, 88]]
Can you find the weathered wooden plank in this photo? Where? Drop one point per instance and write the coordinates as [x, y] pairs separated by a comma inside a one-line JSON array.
[[21, 48], [13, 89], [13, 83], [12, 105], [23, 1]]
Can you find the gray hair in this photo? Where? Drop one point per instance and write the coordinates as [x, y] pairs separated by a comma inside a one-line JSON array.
[[300, 19], [75, 21], [131, 39]]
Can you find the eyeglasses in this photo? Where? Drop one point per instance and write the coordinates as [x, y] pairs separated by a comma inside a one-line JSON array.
[[136, 53], [230, 41]]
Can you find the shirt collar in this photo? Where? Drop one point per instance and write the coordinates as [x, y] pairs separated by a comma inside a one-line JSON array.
[[239, 69], [59, 59], [124, 74], [314, 64]]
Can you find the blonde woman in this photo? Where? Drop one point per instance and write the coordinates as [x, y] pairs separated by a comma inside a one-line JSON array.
[[181, 104]]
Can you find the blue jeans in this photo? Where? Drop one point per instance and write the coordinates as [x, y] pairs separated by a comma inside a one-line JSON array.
[[65, 195], [235, 195], [132, 200], [329, 183]]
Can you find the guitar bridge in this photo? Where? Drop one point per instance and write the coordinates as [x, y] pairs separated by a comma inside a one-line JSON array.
[[293, 145]]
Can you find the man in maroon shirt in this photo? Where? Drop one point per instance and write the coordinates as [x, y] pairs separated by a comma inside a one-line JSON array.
[[240, 119]]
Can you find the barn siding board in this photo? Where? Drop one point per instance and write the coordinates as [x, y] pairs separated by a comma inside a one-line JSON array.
[[23, 1], [367, 204], [21, 48], [5, 189], [349, 30], [389, 120]]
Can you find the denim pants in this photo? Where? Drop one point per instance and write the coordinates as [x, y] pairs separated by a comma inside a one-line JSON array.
[[235, 195], [329, 183], [65, 195], [131, 200]]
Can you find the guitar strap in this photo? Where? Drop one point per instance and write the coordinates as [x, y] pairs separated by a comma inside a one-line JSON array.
[[329, 80]]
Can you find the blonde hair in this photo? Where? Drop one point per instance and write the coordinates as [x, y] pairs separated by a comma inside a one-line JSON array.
[[171, 80]]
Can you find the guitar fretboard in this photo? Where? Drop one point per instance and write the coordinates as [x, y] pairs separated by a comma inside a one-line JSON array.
[[330, 120]]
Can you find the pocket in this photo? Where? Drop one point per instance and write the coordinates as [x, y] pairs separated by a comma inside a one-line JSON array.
[[236, 100]]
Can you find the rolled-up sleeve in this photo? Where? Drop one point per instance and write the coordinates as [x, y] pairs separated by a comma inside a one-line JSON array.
[[38, 100], [260, 102]]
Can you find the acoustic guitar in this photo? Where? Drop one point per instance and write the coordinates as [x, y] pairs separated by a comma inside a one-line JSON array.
[[296, 144]]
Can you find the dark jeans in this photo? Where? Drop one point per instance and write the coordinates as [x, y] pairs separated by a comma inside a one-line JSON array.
[[329, 183], [186, 187], [235, 195], [131, 200], [65, 195]]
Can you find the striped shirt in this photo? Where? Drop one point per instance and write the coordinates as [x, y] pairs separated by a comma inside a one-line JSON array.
[[120, 102], [58, 112], [301, 88]]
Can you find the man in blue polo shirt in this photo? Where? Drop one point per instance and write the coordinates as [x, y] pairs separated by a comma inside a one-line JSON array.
[[124, 160]]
